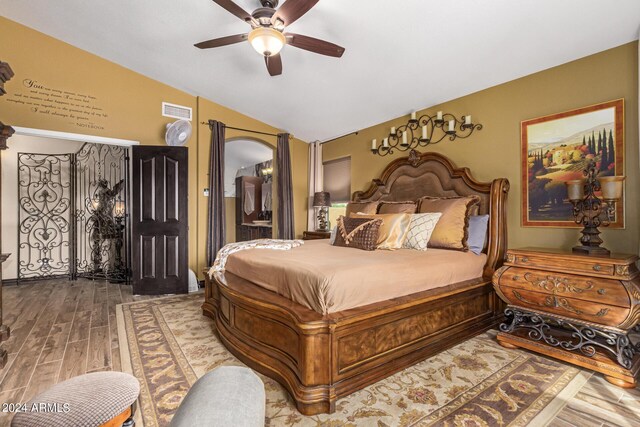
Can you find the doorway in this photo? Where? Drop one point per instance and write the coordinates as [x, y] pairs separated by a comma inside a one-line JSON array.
[[248, 189], [64, 210]]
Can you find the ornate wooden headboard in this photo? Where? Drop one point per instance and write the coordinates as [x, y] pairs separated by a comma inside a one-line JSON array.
[[432, 174]]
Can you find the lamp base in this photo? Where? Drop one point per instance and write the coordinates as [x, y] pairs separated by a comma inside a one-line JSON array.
[[591, 250]]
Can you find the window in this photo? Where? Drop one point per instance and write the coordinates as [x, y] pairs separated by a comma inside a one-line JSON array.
[[337, 181]]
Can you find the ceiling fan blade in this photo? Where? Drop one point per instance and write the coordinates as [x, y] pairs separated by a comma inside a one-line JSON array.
[[274, 64], [291, 10], [222, 41], [314, 45], [237, 10]]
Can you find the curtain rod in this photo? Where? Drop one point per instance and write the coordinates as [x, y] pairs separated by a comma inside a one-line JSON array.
[[338, 137], [241, 129]]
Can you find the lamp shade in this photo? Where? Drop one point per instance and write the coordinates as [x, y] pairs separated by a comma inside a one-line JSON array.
[[575, 189], [611, 187], [321, 199], [266, 41]]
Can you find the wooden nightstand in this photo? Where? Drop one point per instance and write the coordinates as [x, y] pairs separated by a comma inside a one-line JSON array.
[[576, 308], [315, 235]]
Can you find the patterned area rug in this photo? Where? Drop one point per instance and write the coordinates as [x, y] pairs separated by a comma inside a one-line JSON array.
[[168, 344]]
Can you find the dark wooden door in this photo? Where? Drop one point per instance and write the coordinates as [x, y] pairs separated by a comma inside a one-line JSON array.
[[159, 229]]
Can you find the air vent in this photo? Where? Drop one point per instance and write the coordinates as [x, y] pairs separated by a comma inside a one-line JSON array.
[[176, 111]]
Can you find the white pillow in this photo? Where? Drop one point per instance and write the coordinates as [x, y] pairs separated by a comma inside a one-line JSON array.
[[332, 237], [420, 230]]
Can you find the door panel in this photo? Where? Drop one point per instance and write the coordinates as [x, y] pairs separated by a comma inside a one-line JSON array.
[[160, 239], [171, 190], [147, 179], [172, 258], [148, 256]]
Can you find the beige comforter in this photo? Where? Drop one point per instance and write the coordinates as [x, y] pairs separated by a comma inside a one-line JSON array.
[[329, 278]]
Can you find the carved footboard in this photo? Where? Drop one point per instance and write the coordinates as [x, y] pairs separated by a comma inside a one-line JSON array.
[[322, 358]]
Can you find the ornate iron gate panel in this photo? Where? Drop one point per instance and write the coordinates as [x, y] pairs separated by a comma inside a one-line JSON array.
[[72, 214], [45, 209], [101, 173]]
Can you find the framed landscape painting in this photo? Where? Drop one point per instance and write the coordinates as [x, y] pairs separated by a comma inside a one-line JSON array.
[[557, 148]]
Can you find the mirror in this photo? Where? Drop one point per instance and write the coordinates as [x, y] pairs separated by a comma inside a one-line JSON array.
[[247, 185]]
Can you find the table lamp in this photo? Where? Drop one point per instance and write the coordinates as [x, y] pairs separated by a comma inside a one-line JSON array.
[[322, 201]]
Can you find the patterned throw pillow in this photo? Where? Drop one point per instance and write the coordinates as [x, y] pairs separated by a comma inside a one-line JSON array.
[[359, 233], [420, 229], [393, 230]]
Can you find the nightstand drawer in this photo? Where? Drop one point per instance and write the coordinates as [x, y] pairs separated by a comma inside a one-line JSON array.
[[588, 311], [316, 235], [545, 262], [594, 289]]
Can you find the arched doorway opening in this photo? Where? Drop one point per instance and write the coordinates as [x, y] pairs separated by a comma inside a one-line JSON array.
[[248, 189]]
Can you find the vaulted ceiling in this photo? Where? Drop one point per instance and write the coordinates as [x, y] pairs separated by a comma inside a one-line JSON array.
[[400, 54]]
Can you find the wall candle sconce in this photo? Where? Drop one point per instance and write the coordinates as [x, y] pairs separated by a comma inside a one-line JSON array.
[[591, 211], [423, 131]]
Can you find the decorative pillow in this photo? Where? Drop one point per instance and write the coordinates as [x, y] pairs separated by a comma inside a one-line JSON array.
[[420, 229], [332, 236], [478, 226], [452, 229], [359, 233], [366, 207], [393, 229], [397, 207]]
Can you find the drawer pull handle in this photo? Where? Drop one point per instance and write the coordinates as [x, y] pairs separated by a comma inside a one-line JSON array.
[[516, 277], [597, 267], [524, 259], [601, 291]]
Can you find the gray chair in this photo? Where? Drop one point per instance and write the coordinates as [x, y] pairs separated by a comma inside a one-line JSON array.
[[89, 400], [226, 396]]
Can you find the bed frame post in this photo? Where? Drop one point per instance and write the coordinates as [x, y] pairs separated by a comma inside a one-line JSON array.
[[497, 243]]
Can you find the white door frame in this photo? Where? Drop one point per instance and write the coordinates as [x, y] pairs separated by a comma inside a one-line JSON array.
[[73, 136]]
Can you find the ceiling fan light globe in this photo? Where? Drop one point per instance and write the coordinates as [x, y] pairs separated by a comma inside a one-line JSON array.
[[266, 41]]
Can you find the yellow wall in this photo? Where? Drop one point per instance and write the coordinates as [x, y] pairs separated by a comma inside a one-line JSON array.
[[132, 103], [495, 150], [230, 218]]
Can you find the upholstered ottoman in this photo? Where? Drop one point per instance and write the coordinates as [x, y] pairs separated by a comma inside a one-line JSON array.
[[226, 396], [90, 400]]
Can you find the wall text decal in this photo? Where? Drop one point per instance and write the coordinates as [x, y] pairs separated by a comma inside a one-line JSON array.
[[77, 109]]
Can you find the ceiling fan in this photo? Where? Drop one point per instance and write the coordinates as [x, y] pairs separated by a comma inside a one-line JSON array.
[[267, 34]]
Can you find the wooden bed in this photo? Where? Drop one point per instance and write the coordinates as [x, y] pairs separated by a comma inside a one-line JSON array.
[[321, 358]]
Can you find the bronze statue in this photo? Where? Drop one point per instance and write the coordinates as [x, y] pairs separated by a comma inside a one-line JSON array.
[[104, 226]]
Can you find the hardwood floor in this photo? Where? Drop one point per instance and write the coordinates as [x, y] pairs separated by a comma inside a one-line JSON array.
[[600, 404], [60, 329]]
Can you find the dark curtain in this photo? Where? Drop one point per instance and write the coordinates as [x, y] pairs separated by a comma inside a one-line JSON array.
[[216, 221], [285, 188]]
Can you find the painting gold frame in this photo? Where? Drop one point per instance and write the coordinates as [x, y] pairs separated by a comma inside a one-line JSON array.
[[574, 138]]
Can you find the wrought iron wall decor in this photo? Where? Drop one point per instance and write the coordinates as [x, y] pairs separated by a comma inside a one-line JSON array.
[[45, 208], [423, 131], [73, 214]]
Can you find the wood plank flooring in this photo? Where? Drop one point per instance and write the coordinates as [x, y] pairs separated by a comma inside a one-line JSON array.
[[61, 329]]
